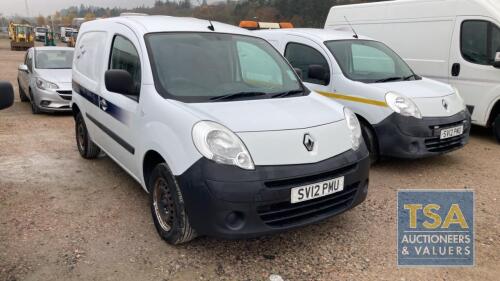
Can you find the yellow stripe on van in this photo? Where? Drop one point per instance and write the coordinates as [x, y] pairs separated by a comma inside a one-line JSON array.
[[353, 99]]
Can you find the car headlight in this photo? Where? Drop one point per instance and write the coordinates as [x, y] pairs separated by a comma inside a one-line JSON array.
[[221, 145], [45, 85], [402, 105], [354, 127], [455, 90]]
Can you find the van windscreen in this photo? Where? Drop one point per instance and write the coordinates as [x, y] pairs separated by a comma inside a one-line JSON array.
[[370, 61], [202, 67]]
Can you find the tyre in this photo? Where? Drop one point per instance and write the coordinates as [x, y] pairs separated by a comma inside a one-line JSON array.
[[167, 207], [22, 94], [87, 148], [371, 142], [34, 108], [496, 127]]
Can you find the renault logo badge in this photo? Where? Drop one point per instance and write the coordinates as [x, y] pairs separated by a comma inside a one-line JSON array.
[[445, 104], [308, 142]]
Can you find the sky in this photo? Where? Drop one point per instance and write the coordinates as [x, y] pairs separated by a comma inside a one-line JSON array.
[[48, 7]]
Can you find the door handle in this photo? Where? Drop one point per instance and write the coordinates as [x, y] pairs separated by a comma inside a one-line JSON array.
[[455, 69]]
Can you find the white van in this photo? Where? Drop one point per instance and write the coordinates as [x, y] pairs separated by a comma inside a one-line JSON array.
[[214, 124], [402, 114], [454, 41]]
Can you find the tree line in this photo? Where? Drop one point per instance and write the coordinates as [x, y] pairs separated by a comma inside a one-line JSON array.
[[302, 13]]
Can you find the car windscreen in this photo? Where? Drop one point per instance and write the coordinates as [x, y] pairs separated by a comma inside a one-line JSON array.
[[369, 61], [41, 30], [53, 59], [200, 67]]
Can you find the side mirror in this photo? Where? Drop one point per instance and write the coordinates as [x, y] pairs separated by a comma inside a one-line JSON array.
[[318, 72], [23, 68], [299, 73], [496, 62], [6, 94], [119, 81]]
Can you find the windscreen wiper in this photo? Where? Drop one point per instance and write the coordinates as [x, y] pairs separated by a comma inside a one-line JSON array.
[[286, 94], [389, 79], [415, 76], [238, 95]]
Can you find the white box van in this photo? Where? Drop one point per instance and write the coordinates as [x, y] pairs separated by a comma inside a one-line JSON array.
[[454, 41], [215, 125], [402, 114]]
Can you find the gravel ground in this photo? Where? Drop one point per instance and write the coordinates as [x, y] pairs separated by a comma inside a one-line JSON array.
[[66, 218]]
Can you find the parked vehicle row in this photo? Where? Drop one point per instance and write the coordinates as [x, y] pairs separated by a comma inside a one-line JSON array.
[[237, 133], [454, 41]]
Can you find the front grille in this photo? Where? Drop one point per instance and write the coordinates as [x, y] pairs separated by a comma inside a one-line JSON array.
[[287, 214], [439, 145], [436, 144], [65, 94], [310, 179], [449, 125]]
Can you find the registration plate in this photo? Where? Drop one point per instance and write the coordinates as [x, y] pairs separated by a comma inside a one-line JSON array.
[[316, 190], [452, 132]]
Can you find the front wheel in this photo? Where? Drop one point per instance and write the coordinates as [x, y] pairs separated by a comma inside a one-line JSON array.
[[22, 94], [371, 142], [34, 108], [87, 148], [496, 127], [167, 207]]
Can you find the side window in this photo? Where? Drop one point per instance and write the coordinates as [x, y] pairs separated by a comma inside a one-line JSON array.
[[302, 57], [257, 67], [124, 56], [371, 60], [479, 41], [89, 56]]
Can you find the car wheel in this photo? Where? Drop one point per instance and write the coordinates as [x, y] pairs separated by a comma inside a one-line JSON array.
[[371, 142], [496, 127], [22, 94], [34, 108], [87, 148], [167, 207]]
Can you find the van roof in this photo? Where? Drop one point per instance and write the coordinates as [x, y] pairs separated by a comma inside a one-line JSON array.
[[316, 33], [143, 24], [410, 9]]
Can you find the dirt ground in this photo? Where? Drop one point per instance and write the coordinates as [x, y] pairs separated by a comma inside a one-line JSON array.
[[66, 218]]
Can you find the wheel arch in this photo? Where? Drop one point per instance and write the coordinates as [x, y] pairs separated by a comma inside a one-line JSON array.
[[495, 110], [150, 160]]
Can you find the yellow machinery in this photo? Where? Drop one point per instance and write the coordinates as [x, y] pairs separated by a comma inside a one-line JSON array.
[[22, 36]]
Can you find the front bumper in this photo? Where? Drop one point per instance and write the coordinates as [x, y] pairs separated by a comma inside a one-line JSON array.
[[53, 100], [231, 203], [408, 137]]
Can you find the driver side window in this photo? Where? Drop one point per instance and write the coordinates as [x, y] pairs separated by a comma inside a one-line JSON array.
[[303, 57], [479, 41], [124, 56]]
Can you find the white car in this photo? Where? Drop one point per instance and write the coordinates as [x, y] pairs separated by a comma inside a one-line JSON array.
[[402, 114], [453, 41], [45, 79], [214, 124]]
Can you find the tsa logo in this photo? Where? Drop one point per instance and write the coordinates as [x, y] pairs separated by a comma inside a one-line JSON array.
[[435, 228]]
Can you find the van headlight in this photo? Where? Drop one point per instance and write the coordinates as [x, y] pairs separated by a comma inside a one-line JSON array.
[[354, 127], [221, 145], [45, 85], [402, 105]]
